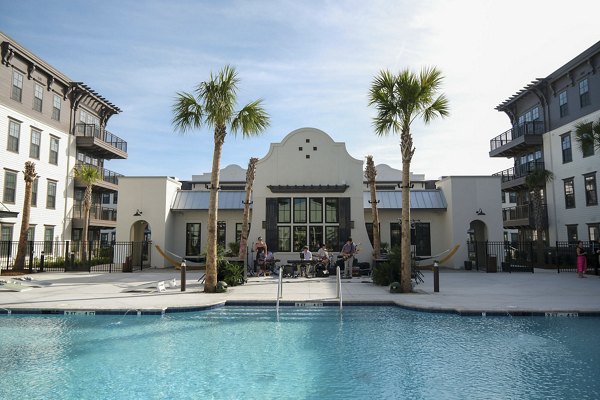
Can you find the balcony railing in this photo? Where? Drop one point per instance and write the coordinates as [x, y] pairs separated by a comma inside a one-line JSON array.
[[524, 215], [527, 128], [520, 171], [93, 130], [105, 174], [96, 212]]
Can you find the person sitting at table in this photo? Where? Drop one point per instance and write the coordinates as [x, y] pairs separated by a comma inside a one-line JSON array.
[[305, 255]]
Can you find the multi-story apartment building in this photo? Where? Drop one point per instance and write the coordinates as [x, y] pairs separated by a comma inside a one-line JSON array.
[[57, 123], [544, 116]]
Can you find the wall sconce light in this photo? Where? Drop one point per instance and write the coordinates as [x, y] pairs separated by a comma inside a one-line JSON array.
[[479, 212], [138, 213]]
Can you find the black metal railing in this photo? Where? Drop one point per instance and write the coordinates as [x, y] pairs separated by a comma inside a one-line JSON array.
[[525, 212], [68, 256], [97, 211], [564, 256], [527, 128], [93, 130], [105, 174], [501, 256], [520, 171]]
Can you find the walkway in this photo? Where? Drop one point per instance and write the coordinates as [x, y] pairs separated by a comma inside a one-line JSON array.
[[466, 292]]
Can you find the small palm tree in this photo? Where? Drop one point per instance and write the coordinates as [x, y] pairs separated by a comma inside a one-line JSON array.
[[399, 100], [587, 134], [370, 174], [536, 183], [88, 175], [213, 106], [29, 175], [249, 183]]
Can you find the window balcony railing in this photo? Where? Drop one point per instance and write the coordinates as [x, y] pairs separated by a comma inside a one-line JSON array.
[[523, 215], [517, 131], [105, 174], [96, 212], [93, 130], [520, 171]]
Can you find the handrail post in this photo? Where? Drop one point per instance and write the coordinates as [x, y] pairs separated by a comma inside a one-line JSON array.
[[183, 272]]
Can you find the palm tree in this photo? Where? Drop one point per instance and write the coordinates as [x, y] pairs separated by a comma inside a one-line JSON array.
[[249, 182], [536, 183], [29, 176], [213, 106], [399, 100], [88, 175], [587, 134], [370, 174]]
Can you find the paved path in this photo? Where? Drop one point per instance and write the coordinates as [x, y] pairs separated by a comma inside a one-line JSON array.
[[466, 292]]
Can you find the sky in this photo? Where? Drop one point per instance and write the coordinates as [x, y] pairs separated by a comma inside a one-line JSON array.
[[312, 63]]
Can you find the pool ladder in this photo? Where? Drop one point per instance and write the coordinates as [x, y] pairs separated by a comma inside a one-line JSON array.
[[338, 284]]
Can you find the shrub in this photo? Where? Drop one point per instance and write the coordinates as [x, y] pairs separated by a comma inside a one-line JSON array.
[[230, 273]]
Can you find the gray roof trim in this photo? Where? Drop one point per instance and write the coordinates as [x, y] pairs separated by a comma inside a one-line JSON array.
[[419, 199], [199, 200]]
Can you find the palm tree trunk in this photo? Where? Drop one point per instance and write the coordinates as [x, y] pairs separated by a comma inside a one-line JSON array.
[[20, 259], [246, 218], [87, 205], [210, 284], [405, 271], [371, 174]]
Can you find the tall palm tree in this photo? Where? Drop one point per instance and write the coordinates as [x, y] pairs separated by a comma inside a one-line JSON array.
[[587, 134], [399, 101], [29, 175], [370, 174], [536, 183], [88, 175], [213, 106], [249, 183]]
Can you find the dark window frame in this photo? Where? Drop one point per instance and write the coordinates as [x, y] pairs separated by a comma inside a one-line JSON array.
[[569, 192], [591, 189]]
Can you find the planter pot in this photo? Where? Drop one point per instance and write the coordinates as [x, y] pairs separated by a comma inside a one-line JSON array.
[[468, 265]]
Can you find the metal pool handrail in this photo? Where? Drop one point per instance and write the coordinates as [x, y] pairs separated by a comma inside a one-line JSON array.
[[338, 283], [279, 288]]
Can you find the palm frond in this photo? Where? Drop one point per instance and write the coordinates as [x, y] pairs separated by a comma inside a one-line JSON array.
[[251, 119], [87, 174], [187, 113]]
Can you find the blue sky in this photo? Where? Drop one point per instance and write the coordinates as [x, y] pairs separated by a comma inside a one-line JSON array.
[[311, 61]]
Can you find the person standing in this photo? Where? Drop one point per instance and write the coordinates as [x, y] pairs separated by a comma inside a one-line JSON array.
[[260, 249], [581, 259], [348, 251]]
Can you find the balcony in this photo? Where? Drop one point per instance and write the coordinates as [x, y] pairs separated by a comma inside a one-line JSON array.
[[103, 217], [522, 217], [100, 142], [109, 180], [517, 139], [514, 178]]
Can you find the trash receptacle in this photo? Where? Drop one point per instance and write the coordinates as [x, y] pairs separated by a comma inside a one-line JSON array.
[[491, 263], [127, 267]]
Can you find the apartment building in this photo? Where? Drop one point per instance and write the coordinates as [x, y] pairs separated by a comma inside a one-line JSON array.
[[57, 123], [544, 116]]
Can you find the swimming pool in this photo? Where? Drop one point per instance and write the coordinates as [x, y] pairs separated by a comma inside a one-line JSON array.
[[306, 353]]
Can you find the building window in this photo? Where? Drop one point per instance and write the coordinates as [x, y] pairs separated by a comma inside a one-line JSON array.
[[34, 192], [6, 237], [284, 210], [395, 235], [300, 238], [53, 150], [192, 240], [14, 133], [38, 97], [315, 210], [10, 187], [512, 197], [17, 86], [332, 207], [238, 232], [34, 146], [51, 195], [569, 193], [283, 238], [562, 102], [56, 108], [115, 197], [222, 234], [594, 232], [48, 238], [299, 210], [105, 198], [572, 233], [591, 194], [584, 93], [421, 238], [565, 142]]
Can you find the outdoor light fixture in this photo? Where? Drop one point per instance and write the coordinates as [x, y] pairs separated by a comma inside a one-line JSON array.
[[479, 212], [138, 213]]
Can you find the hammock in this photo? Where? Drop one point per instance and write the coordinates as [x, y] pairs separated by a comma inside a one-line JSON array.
[[442, 260], [176, 263]]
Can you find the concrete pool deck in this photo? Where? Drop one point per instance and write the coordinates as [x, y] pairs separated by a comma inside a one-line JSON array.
[[464, 292]]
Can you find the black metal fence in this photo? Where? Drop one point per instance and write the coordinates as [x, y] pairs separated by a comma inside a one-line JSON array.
[[523, 256], [68, 256]]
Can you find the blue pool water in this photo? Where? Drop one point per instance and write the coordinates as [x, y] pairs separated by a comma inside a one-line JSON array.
[[306, 353]]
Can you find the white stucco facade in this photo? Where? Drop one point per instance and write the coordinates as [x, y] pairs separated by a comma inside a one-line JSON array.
[[309, 186]]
